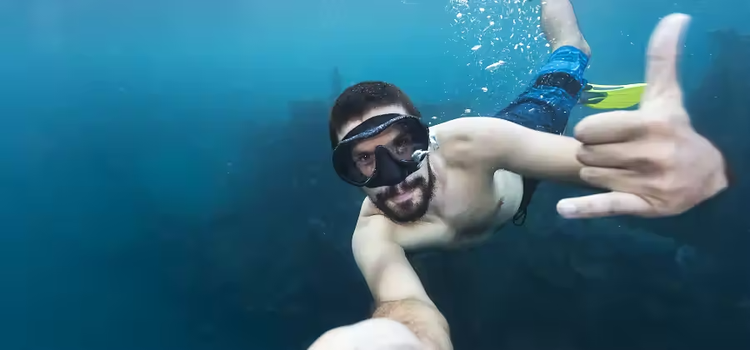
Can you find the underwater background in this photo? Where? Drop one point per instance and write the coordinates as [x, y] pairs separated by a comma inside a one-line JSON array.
[[165, 178]]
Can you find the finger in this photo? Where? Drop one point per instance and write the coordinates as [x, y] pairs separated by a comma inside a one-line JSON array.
[[610, 155], [664, 49], [603, 205], [610, 127], [622, 180]]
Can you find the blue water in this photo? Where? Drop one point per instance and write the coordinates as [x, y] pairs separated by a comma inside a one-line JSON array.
[[160, 188]]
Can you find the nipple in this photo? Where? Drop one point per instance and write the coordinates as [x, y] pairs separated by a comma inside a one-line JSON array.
[[419, 155]]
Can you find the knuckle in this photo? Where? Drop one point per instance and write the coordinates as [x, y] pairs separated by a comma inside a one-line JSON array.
[[620, 204], [612, 207], [663, 189], [665, 156], [672, 195], [584, 154], [658, 125], [589, 174], [581, 130], [660, 158], [592, 207], [643, 161]]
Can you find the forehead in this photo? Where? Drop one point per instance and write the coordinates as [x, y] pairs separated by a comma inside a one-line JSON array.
[[388, 135], [369, 114]]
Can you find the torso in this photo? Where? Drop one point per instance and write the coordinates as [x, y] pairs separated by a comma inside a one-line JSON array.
[[468, 206]]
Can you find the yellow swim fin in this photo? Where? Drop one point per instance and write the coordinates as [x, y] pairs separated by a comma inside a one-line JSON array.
[[612, 96]]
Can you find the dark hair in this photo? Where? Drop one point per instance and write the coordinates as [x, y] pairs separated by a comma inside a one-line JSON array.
[[357, 100]]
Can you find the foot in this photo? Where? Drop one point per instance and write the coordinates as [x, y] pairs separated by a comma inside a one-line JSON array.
[[560, 26]]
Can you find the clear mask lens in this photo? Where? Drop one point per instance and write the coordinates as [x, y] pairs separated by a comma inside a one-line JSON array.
[[405, 139]]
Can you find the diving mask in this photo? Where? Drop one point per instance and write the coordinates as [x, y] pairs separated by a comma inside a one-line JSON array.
[[382, 151]]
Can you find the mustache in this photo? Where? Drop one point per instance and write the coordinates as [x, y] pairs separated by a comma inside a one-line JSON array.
[[393, 191]]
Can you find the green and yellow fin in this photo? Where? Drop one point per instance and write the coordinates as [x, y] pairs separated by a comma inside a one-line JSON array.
[[612, 96]]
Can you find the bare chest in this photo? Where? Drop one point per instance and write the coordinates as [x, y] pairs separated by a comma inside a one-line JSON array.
[[468, 208], [475, 206]]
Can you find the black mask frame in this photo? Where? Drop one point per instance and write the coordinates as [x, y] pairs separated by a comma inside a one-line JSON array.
[[389, 170]]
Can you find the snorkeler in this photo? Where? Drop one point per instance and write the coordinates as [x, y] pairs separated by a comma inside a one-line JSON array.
[[461, 180]]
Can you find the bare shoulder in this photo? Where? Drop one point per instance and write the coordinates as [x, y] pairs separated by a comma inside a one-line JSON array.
[[469, 141], [368, 209], [373, 228], [466, 127], [372, 225], [450, 141]]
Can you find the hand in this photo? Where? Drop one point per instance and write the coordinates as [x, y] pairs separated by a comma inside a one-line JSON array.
[[371, 334], [652, 159]]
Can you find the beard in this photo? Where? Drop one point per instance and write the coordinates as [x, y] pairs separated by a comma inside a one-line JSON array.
[[413, 209]]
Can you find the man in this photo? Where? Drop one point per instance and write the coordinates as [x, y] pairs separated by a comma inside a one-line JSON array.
[[458, 181]]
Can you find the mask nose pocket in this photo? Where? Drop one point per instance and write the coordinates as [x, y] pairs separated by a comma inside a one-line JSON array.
[[387, 168]]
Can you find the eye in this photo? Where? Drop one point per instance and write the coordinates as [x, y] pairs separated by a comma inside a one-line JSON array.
[[401, 145], [363, 159]]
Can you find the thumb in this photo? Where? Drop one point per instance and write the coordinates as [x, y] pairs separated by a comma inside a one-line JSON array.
[[664, 49], [602, 205]]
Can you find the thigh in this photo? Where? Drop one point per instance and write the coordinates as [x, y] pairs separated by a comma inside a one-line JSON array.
[[547, 103]]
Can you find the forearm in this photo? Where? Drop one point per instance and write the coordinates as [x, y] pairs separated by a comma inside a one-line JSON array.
[[493, 144], [423, 319], [545, 157]]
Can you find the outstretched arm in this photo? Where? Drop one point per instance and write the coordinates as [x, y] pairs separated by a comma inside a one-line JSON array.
[[493, 143], [398, 292], [399, 296]]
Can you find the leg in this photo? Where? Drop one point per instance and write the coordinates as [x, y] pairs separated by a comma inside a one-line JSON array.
[[546, 104], [560, 26]]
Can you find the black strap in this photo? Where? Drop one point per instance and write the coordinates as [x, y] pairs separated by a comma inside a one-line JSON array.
[[529, 187], [562, 80]]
